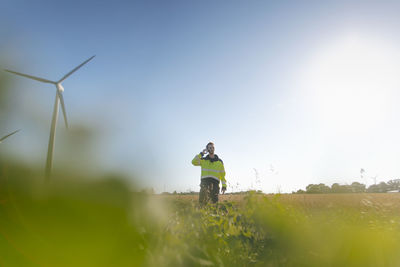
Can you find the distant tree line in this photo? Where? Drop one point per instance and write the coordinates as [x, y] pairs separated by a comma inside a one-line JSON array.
[[229, 193], [189, 192], [355, 187]]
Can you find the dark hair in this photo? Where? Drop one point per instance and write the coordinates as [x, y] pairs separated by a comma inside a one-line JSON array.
[[209, 143]]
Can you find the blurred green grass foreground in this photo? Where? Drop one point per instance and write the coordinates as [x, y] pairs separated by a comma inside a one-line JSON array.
[[81, 221]]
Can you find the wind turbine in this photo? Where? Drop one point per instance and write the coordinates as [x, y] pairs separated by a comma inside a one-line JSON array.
[[59, 98], [8, 135]]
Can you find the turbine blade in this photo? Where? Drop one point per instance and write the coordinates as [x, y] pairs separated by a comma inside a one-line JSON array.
[[72, 71], [63, 108], [4, 137], [30, 77]]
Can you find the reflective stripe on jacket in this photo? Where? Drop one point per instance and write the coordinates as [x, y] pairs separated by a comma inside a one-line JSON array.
[[211, 167]]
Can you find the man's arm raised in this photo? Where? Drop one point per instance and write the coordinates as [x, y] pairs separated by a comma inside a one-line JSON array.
[[197, 159]]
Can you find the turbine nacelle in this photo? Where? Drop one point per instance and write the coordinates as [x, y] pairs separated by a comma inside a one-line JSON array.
[[60, 88]]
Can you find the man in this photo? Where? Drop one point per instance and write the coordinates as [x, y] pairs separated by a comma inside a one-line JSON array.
[[212, 172]]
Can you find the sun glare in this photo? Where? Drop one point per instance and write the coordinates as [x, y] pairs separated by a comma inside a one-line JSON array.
[[352, 83]]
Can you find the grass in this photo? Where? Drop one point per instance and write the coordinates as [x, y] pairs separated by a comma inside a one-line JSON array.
[[77, 221]]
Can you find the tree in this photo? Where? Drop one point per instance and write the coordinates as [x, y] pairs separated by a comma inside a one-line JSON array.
[[393, 184], [317, 189], [382, 187], [373, 188], [336, 188], [357, 187]]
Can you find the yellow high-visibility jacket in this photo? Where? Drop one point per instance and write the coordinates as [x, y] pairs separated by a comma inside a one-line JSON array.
[[211, 168]]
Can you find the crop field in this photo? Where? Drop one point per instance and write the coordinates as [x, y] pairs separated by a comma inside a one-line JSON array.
[[81, 221]]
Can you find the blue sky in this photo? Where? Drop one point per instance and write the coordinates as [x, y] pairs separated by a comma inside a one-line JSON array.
[[302, 91]]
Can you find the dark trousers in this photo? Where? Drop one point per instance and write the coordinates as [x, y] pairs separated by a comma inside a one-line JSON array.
[[209, 190]]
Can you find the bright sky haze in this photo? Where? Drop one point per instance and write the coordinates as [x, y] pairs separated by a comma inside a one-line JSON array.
[[290, 92]]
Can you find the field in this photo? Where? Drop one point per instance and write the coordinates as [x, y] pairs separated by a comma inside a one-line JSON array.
[[389, 202], [80, 221]]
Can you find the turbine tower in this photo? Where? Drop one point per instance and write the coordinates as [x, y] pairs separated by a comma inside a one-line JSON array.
[[59, 98], [8, 135]]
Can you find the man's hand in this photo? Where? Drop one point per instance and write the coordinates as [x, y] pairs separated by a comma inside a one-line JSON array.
[[223, 189], [204, 151]]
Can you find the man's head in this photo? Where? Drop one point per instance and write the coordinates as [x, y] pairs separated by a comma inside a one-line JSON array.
[[210, 148]]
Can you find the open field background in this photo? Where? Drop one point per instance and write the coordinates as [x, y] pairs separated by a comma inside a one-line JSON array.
[[82, 221], [385, 202]]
